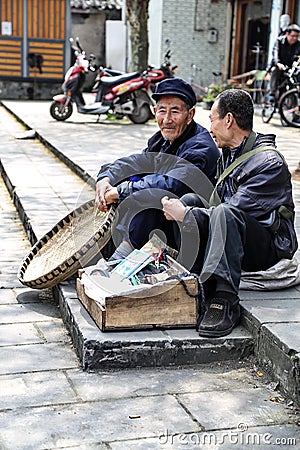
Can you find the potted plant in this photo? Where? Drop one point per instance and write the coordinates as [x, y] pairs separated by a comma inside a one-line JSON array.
[[213, 90]]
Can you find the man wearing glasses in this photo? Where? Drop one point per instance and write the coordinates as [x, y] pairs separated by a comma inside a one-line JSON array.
[[285, 49]]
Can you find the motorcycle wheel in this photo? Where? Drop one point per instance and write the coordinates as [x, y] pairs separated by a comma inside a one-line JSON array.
[[61, 112], [289, 108], [143, 116]]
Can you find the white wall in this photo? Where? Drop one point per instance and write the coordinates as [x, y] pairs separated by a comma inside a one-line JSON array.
[[115, 44], [274, 24], [155, 32]]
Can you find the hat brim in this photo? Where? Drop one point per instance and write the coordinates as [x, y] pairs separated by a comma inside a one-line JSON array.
[[156, 97]]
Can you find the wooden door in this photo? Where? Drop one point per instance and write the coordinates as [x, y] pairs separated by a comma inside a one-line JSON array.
[[33, 38], [252, 26], [11, 20]]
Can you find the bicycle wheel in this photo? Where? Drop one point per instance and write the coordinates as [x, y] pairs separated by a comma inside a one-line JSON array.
[[267, 112], [289, 107]]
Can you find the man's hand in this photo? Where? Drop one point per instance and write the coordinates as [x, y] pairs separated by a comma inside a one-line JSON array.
[[173, 209], [111, 196], [105, 194]]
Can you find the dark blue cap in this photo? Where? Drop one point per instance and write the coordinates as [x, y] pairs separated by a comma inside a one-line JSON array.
[[178, 87]]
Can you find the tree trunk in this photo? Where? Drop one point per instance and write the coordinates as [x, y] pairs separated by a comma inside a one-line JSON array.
[[137, 16]]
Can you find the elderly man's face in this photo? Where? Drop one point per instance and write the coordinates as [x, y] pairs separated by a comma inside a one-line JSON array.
[[173, 116]]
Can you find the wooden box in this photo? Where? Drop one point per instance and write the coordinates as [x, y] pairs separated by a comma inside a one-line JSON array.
[[165, 304]]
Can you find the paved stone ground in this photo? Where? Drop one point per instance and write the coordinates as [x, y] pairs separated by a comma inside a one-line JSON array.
[[48, 402]]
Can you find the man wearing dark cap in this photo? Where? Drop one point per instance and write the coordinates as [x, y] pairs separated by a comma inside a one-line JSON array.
[[180, 158]]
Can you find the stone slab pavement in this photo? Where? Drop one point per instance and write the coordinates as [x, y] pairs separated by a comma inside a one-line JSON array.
[[48, 402]]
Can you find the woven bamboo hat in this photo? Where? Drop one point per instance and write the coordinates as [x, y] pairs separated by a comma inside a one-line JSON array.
[[67, 247]]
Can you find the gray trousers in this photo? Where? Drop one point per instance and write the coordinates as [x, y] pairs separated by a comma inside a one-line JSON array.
[[227, 240]]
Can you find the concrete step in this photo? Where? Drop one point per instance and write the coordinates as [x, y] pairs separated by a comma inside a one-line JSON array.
[[274, 320], [144, 348], [43, 188]]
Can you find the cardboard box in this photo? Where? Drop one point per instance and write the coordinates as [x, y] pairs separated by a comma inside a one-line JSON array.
[[165, 304]]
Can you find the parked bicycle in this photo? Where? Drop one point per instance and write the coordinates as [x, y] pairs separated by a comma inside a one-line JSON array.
[[199, 90], [289, 83], [289, 107], [289, 103], [204, 92]]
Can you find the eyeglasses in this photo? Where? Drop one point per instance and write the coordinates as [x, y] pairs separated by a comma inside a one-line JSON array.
[[295, 36]]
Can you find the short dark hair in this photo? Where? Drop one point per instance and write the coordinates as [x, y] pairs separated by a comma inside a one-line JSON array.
[[240, 104]]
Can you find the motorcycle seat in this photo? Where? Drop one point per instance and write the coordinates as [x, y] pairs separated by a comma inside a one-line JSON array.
[[111, 81]]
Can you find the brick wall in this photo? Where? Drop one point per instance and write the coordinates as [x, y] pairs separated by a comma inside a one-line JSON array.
[[190, 46]]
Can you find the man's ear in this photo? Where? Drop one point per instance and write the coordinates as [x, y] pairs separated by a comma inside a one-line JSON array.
[[192, 112], [229, 118]]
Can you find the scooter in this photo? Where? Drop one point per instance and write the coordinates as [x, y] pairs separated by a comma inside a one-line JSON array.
[[122, 95], [166, 70], [126, 91]]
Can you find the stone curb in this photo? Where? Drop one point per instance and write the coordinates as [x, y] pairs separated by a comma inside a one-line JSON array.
[[67, 161], [147, 348]]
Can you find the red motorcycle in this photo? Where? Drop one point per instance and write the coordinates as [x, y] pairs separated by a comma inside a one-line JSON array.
[[125, 95], [122, 95], [166, 70], [130, 94]]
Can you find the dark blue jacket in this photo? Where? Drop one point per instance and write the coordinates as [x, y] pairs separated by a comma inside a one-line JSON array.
[[188, 165]]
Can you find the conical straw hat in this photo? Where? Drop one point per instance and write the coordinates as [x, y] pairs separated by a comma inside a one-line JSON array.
[[67, 247]]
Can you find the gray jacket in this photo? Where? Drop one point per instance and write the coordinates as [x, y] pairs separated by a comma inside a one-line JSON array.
[[261, 186]]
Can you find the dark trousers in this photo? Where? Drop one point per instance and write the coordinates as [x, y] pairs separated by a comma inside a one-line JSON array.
[[228, 241], [150, 221], [275, 81]]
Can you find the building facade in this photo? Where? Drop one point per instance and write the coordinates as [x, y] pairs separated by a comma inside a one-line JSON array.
[[205, 36], [33, 45], [228, 36], [34, 42]]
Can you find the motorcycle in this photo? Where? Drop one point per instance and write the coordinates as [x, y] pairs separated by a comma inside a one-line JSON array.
[[117, 93], [166, 70], [122, 95], [115, 90]]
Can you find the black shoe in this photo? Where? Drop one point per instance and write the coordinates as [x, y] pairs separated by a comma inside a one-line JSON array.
[[220, 317]]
